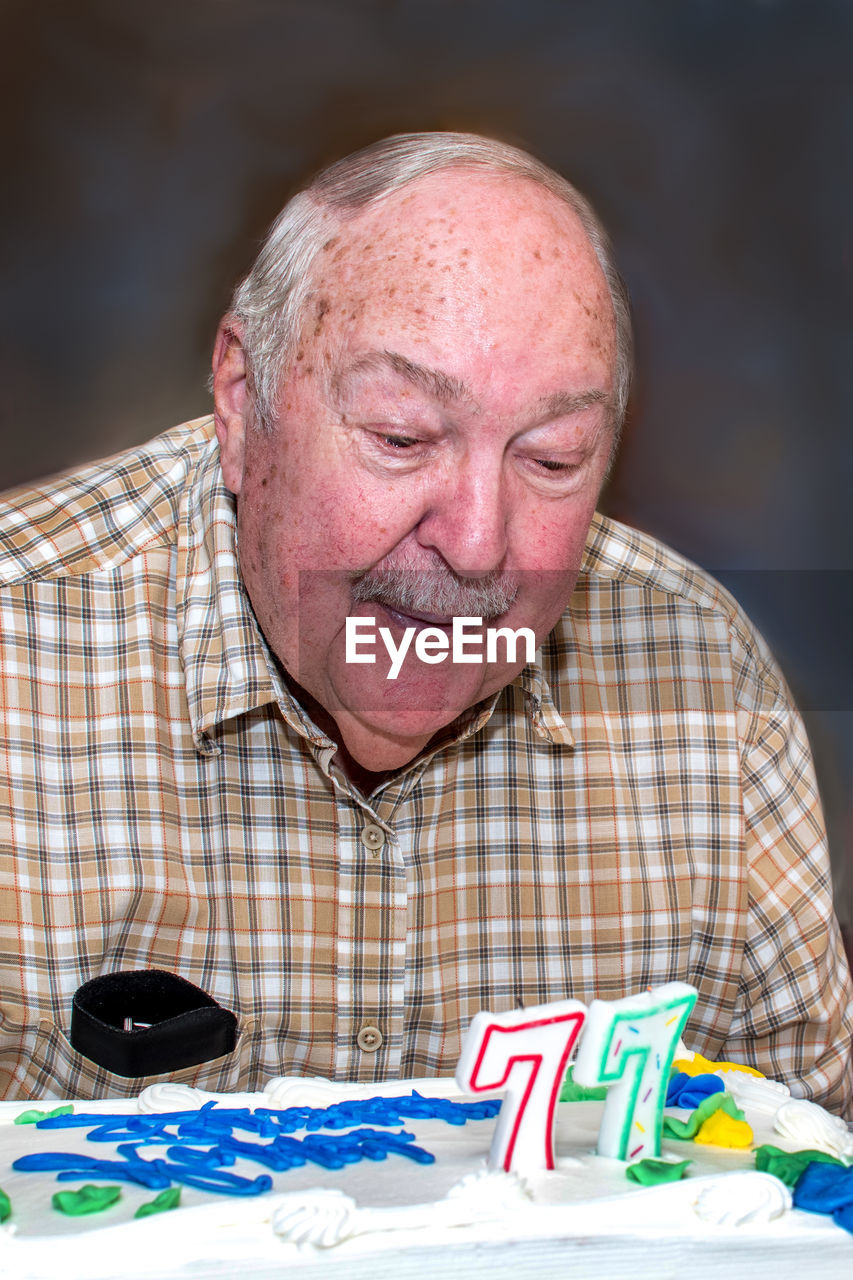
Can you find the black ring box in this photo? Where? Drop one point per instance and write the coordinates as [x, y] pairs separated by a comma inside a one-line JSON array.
[[149, 1022]]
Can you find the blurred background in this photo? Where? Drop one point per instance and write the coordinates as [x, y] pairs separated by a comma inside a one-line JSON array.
[[146, 147]]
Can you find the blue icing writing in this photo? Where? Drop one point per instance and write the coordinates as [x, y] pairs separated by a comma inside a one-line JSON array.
[[156, 1174], [210, 1120], [201, 1144]]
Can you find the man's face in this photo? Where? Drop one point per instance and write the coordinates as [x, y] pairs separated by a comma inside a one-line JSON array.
[[441, 438]]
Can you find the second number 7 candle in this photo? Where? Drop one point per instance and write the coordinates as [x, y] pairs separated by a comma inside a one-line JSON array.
[[628, 1045]]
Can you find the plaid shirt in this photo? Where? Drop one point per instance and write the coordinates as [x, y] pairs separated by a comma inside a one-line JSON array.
[[637, 807]]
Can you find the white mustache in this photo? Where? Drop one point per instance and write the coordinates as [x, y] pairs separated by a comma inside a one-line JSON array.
[[438, 591]]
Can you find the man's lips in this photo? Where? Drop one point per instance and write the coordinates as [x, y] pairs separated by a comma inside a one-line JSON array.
[[418, 620]]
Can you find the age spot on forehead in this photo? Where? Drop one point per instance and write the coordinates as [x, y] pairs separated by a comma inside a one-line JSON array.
[[321, 311]]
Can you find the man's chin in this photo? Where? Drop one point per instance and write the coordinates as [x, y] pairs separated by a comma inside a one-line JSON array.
[[386, 723]]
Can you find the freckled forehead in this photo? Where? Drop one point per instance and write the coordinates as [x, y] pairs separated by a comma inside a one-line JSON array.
[[445, 222], [483, 276]]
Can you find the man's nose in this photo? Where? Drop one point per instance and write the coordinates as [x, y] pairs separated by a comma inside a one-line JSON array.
[[467, 520]]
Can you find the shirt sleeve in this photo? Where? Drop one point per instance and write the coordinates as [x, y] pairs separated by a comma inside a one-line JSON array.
[[794, 1014]]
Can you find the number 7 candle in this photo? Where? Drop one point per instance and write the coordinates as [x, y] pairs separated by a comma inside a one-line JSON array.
[[524, 1052], [628, 1045]]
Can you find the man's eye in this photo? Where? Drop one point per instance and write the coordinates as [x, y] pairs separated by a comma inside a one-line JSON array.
[[399, 442], [548, 464]]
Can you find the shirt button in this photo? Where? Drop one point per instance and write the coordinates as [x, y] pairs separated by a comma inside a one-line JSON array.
[[373, 838], [369, 1039]]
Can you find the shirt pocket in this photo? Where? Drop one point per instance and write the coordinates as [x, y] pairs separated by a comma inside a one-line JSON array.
[[46, 1066]]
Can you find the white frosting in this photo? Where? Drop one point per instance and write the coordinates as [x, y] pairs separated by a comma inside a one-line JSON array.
[[316, 1091], [755, 1092], [293, 1091], [160, 1098], [318, 1218], [325, 1218], [811, 1128], [740, 1198]]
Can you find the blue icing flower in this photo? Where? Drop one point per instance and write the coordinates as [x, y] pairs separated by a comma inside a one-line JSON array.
[[689, 1091]]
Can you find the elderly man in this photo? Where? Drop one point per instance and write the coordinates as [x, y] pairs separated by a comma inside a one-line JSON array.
[[417, 394]]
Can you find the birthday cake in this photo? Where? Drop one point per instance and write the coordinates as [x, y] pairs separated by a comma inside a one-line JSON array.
[[315, 1178]]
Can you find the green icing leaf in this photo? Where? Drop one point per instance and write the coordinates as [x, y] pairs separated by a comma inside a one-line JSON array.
[[33, 1117], [788, 1166], [686, 1129], [5, 1207], [652, 1172], [168, 1199], [730, 1107], [571, 1092], [88, 1199]]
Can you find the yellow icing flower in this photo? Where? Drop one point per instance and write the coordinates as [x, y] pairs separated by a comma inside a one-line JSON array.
[[699, 1066], [720, 1130]]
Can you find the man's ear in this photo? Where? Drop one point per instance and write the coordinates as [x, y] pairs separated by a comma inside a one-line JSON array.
[[232, 404]]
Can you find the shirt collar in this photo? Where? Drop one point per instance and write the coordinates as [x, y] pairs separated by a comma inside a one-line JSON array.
[[228, 667], [544, 716]]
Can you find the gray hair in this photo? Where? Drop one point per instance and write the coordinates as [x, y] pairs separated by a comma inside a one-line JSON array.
[[270, 303]]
